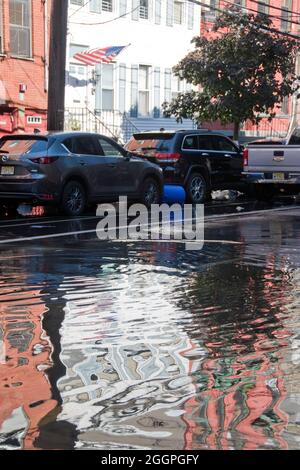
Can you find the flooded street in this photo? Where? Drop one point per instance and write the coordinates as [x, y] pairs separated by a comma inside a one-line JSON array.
[[107, 345]]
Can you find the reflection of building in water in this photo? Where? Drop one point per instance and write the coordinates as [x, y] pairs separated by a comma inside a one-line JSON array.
[[129, 370], [291, 403], [240, 405], [25, 391]]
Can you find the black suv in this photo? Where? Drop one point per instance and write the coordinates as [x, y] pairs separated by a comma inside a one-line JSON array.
[[199, 160]]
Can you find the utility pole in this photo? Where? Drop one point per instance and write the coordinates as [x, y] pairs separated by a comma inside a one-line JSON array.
[[57, 64]]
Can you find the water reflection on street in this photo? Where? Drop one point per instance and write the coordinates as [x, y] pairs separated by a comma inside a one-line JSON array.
[[148, 346]]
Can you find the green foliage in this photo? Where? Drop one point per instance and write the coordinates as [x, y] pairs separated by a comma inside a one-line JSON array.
[[243, 72]]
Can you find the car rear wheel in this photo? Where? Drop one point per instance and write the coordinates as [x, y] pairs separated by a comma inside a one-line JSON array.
[[151, 192], [196, 188], [73, 200]]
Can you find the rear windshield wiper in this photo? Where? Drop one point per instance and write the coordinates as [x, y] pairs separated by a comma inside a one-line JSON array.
[[4, 151]]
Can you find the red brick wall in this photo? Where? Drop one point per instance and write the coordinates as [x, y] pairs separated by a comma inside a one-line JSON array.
[[30, 72], [281, 122]]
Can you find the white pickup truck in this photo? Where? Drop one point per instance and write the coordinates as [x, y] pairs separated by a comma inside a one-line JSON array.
[[274, 168]]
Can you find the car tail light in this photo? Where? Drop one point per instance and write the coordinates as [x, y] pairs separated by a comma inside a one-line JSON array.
[[44, 160], [245, 156], [168, 157]]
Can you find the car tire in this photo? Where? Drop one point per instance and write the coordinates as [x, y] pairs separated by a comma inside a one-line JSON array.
[[197, 189], [151, 192], [73, 201]]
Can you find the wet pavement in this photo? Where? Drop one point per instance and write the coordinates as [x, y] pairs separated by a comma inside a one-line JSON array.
[[134, 345]]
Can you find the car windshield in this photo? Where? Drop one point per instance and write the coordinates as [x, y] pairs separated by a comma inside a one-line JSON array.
[[19, 146], [141, 143]]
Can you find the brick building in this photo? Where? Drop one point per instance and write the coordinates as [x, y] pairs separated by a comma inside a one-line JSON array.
[[24, 40], [285, 15]]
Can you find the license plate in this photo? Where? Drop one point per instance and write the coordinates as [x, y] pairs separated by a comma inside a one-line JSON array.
[[278, 176], [7, 170]]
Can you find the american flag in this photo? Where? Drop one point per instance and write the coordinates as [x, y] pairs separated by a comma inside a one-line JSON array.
[[94, 56]]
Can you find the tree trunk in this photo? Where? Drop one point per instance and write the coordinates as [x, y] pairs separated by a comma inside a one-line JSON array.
[[236, 131]]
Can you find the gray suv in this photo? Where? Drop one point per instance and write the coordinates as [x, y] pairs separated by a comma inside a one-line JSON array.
[[74, 170]]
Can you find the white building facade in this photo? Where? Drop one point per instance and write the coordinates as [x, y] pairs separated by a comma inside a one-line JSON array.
[[132, 87]]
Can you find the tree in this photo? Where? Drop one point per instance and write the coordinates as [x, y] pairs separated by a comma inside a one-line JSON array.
[[243, 72]]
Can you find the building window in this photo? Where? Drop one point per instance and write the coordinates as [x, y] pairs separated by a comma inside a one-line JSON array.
[[107, 5], [20, 27], [286, 15], [178, 12], [107, 87], [144, 9], [263, 7], [95, 6], [143, 90], [211, 11], [34, 120]]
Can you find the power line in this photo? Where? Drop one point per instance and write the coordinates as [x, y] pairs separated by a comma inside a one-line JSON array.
[[271, 30], [108, 21], [258, 2], [78, 9], [286, 20]]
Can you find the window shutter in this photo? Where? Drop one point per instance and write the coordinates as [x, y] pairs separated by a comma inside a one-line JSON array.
[[190, 15], [157, 103], [168, 74], [157, 11], [135, 10], [169, 18], [123, 7], [134, 90]]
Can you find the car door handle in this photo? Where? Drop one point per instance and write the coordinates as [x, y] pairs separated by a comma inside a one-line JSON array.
[[228, 155], [112, 165], [205, 154], [82, 162]]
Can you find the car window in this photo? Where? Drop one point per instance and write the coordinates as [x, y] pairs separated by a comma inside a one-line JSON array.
[[205, 142], [86, 145], [68, 143], [109, 149], [18, 146], [190, 142], [223, 144], [295, 138], [151, 142]]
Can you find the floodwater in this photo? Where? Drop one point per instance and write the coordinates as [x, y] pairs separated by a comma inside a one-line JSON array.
[[148, 346]]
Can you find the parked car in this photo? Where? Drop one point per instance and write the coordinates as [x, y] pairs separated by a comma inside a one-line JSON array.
[[199, 160], [73, 170], [274, 169]]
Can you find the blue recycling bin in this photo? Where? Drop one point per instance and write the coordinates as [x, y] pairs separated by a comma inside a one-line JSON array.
[[174, 194]]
